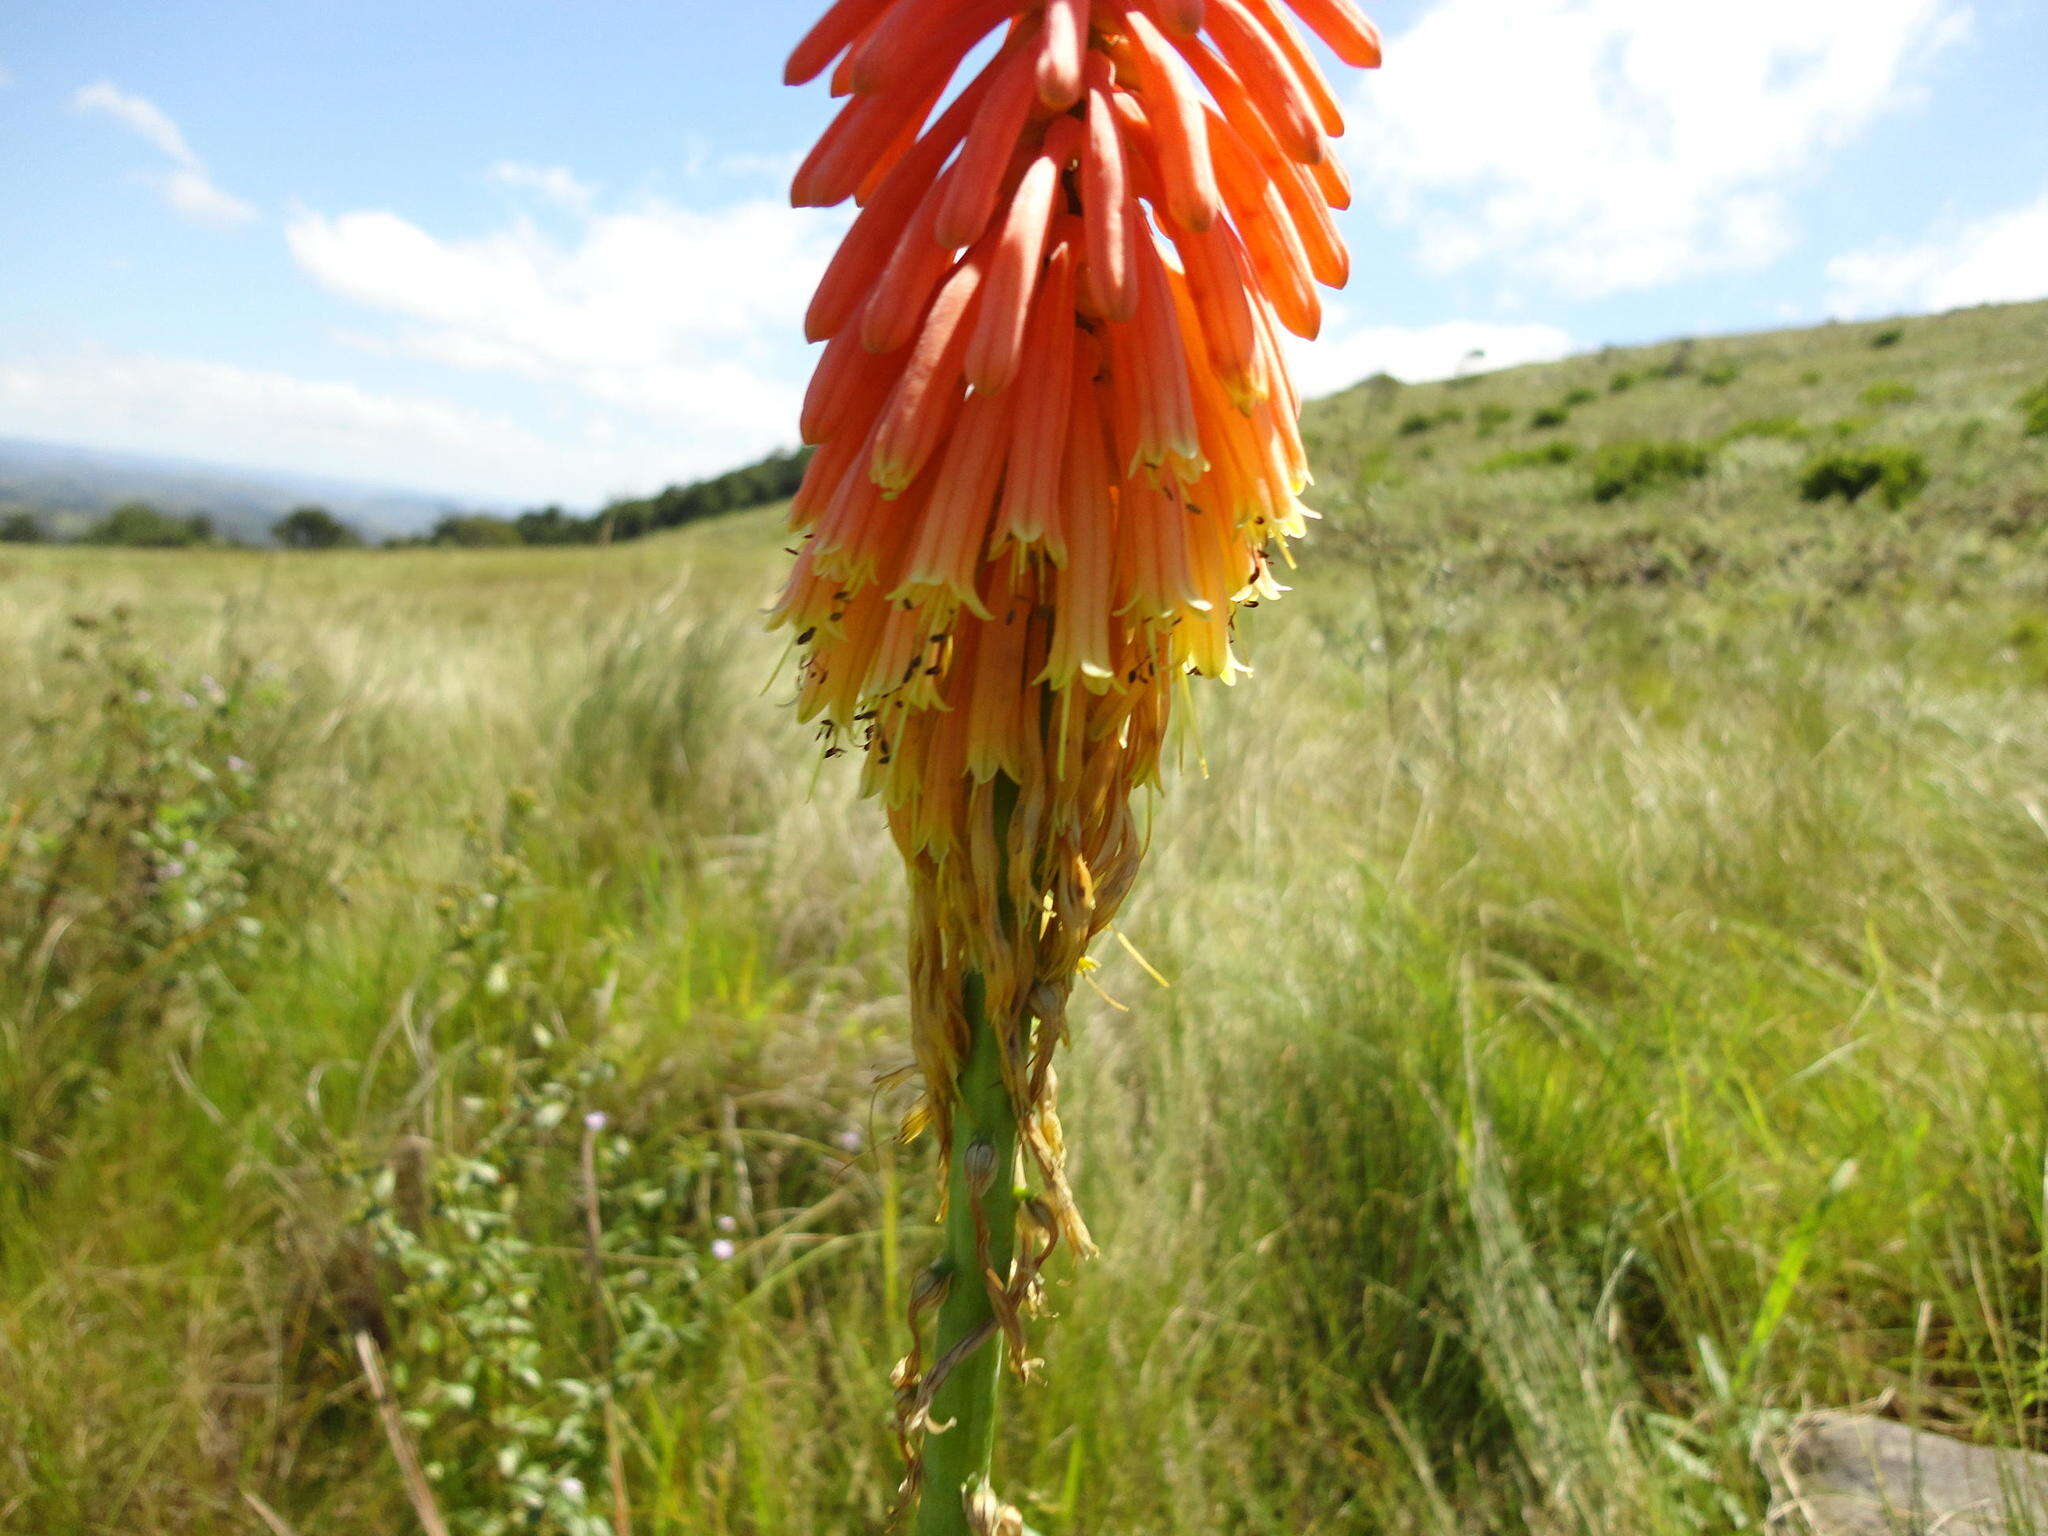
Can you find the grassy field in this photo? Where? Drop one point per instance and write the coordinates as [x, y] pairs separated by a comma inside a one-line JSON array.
[[1607, 948]]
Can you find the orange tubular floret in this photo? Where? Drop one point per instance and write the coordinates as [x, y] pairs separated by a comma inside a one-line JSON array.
[[1005, 309], [1183, 144], [1268, 78], [1056, 444], [1031, 509], [925, 397], [866, 249], [1107, 208], [1343, 26], [1275, 24], [836, 30], [911, 33], [974, 179], [1062, 54]]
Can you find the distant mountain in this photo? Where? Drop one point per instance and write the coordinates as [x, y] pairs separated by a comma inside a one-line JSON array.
[[68, 486]]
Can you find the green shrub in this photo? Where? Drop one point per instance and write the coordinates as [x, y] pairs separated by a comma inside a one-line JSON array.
[[137, 525], [1578, 397], [1621, 383], [20, 528], [1888, 392], [1628, 469], [1896, 474], [314, 528], [1492, 416], [1890, 336], [2033, 407], [1847, 427], [1541, 457], [1810, 378], [1787, 428], [1416, 424], [1550, 416], [1715, 375]]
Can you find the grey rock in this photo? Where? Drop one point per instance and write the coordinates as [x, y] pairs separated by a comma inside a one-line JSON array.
[[1845, 1474]]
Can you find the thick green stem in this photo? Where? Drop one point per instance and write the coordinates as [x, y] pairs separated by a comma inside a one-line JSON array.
[[957, 1461]]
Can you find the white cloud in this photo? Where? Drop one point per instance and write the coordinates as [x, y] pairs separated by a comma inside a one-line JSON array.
[[1340, 358], [274, 420], [1995, 260], [1615, 144], [680, 325], [553, 182], [192, 194], [187, 186]]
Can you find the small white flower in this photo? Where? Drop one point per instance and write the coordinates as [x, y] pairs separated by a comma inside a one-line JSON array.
[[851, 1140], [595, 1120], [722, 1248], [728, 1224], [572, 1489]]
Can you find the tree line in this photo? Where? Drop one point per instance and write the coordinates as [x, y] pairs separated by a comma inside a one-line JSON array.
[[138, 525]]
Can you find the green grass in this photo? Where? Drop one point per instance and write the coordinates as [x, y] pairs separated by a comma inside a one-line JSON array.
[[1605, 941]]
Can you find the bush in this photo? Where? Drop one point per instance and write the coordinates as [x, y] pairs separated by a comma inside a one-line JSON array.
[[1888, 392], [474, 530], [2033, 407], [1896, 474], [1550, 416], [138, 525], [314, 528], [1415, 425], [1628, 469], [1788, 428], [1578, 397], [20, 528], [1621, 383], [1493, 416], [1810, 378], [1530, 458], [1890, 336], [1715, 375]]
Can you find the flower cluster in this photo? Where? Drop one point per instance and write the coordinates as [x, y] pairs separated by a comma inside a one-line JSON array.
[[1056, 445]]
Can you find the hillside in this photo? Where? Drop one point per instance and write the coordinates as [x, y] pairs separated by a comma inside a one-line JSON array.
[[67, 486], [1605, 943]]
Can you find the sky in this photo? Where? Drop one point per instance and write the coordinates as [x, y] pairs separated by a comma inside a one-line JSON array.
[[535, 250]]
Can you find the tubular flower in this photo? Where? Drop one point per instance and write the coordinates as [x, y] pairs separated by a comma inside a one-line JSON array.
[[1056, 450]]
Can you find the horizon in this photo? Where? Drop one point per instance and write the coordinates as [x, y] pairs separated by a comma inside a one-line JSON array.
[[515, 264]]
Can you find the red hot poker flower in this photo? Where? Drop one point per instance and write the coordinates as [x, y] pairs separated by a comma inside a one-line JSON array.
[[1056, 450]]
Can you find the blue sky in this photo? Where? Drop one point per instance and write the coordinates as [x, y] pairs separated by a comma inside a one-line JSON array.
[[535, 250]]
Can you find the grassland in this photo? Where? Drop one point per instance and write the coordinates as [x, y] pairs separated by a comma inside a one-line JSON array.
[[1608, 962]]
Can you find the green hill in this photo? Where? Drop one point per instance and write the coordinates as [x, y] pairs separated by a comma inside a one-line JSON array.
[[1606, 953]]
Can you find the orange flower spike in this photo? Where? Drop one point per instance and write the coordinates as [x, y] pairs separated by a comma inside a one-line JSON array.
[[1055, 438]]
